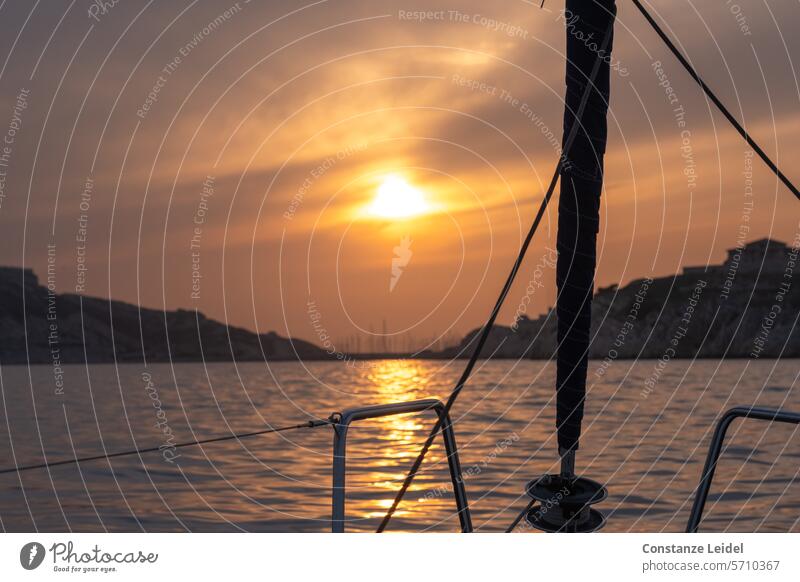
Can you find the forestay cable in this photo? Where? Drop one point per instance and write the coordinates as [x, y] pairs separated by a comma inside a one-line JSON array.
[[707, 90]]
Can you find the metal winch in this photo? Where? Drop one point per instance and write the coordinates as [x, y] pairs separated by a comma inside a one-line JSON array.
[[564, 501]]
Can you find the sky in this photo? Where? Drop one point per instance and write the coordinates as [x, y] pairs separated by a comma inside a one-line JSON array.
[[225, 156]]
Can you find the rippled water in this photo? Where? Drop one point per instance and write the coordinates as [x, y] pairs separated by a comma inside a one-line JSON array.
[[649, 450]]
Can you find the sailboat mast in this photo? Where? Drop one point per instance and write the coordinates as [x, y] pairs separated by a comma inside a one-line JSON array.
[[589, 31]]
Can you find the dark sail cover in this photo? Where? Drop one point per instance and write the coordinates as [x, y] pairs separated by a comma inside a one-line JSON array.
[[588, 22]]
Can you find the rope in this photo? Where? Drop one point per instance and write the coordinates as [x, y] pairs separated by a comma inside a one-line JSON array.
[[728, 115], [519, 517], [78, 460], [487, 328]]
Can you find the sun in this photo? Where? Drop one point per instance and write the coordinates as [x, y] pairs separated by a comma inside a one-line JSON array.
[[396, 198]]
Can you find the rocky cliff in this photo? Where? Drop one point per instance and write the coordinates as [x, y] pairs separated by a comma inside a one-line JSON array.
[[37, 326], [748, 307]]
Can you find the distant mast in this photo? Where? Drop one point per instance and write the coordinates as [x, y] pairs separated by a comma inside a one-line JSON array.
[[588, 22]]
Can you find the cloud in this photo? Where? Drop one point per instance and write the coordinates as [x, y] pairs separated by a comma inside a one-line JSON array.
[[260, 95]]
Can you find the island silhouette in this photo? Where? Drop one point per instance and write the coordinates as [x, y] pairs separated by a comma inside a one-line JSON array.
[[746, 307]]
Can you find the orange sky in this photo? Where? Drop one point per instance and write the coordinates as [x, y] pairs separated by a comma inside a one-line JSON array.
[[292, 114]]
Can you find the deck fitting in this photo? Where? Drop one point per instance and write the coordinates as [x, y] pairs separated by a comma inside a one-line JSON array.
[[564, 504]]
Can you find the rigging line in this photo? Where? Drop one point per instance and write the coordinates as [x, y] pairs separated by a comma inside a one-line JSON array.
[[78, 460], [520, 515], [710, 94], [487, 328]]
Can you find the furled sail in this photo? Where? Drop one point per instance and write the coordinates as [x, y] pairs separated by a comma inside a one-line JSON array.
[[589, 27]]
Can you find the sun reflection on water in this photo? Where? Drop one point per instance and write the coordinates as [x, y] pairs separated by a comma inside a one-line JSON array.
[[391, 443], [400, 380]]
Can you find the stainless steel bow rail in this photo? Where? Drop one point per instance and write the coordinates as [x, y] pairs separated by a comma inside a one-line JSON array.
[[341, 423], [715, 449]]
